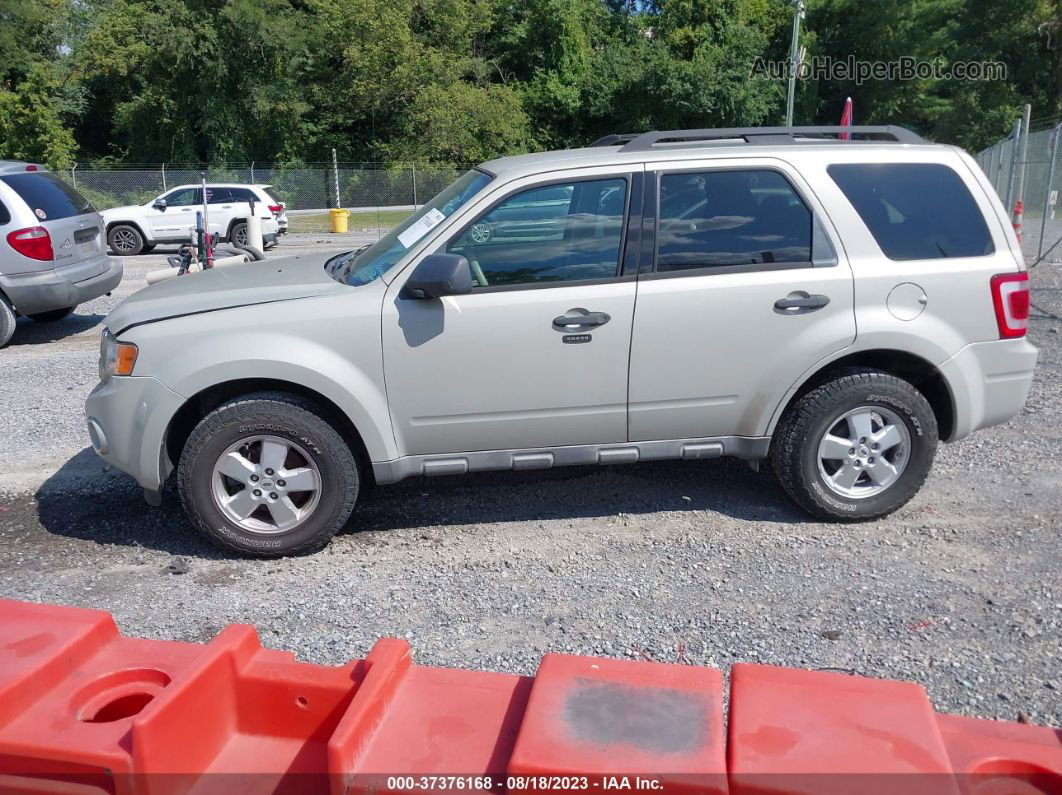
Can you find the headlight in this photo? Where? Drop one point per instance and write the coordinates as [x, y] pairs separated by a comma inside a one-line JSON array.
[[116, 358]]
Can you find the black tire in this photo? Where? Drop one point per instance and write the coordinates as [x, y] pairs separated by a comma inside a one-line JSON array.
[[7, 321], [294, 419], [795, 447], [53, 315], [125, 240], [238, 231]]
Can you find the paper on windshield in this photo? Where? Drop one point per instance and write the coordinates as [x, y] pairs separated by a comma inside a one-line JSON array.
[[424, 224]]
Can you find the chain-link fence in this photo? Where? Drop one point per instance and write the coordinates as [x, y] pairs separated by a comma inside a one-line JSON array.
[[1003, 164], [307, 187]]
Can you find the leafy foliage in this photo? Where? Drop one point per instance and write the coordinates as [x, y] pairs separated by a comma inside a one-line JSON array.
[[458, 81]]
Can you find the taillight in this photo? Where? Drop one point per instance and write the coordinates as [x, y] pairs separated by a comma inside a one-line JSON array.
[[31, 168], [34, 242], [1010, 296], [276, 209]]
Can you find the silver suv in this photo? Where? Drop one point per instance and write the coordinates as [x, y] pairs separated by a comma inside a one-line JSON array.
[[835, 307], [52, 252]]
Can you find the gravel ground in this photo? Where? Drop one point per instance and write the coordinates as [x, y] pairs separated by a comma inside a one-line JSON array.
[[704, 562]]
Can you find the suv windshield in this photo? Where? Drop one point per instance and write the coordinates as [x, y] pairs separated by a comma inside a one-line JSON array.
[[47, 196], [365, 265]]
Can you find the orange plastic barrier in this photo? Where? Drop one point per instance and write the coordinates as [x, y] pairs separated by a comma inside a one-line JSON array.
[[85, 711]]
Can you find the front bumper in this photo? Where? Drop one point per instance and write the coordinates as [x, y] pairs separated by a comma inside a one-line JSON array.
[[989, 382], [127, 418], [60, 288]]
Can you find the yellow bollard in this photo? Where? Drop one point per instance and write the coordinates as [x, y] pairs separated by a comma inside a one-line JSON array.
[[339, 220]]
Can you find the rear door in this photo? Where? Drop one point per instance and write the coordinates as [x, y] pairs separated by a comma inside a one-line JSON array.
[[75, 228], [222, 208], [745, 290]]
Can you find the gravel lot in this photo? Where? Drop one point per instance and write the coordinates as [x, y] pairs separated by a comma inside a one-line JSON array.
[[703, 561]]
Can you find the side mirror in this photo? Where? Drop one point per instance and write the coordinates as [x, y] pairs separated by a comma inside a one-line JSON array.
[[438, 275], [159, 204]]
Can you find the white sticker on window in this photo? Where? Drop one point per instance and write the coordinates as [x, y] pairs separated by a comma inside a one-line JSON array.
[[425, 224]]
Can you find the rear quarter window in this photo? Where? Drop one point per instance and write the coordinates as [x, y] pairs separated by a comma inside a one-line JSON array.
[[915, 210], [47, 196], [5, 216]]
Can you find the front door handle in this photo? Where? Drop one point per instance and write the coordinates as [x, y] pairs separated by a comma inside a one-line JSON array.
[[799, 302], [589, 319]]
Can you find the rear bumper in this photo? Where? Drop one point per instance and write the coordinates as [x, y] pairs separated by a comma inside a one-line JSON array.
[[989, 382], [62, 287], [127, 418]]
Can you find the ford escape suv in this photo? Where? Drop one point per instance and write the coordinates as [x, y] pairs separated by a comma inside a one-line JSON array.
[[52, 252], [835, 307]]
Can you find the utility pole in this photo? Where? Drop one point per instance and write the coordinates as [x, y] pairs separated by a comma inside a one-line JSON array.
[[335, 174], [794, 60], [1023, 152]]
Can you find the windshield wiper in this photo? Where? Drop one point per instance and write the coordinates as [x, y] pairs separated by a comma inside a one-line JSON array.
[[342, 264]]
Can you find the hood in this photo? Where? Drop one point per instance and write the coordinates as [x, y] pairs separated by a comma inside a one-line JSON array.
[[246, 284], [121, 212]]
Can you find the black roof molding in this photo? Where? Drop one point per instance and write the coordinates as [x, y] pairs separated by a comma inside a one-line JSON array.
[[760, 135]]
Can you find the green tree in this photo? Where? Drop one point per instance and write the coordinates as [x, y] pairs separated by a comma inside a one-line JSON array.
[[37, 102]]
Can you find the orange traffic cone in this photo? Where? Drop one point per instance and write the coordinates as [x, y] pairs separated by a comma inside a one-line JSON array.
[[1017, 219]]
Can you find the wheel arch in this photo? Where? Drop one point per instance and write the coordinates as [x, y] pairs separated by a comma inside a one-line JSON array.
[[920, 373], [140, 230], [232, 225], [206, 400]]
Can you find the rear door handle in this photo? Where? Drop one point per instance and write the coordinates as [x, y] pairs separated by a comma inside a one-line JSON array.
[[589, 319], [797, 303]]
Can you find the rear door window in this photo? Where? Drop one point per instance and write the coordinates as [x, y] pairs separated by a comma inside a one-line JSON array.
[[47, 196], [218, 195], [724, 218], [915, 210]]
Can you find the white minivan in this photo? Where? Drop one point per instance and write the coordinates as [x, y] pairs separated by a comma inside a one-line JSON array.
[[170, 217], [52, 256]]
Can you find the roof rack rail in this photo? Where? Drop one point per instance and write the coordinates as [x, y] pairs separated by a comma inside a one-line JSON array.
[[757, 135], [613, 140]]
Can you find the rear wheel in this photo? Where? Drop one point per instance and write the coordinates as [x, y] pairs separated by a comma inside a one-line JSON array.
[[857, 447], [238, 234], [266, 475], [7, 322], [125, 240], [53, 315]]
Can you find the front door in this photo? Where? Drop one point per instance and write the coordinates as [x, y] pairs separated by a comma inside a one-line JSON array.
[[178, 218], [537, 354], [745, 293]]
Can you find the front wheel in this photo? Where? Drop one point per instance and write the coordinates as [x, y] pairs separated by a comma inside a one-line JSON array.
[[267, 475], [481, 232], [857, 447], [125, 240]]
